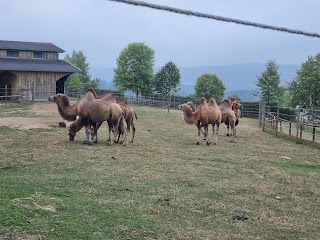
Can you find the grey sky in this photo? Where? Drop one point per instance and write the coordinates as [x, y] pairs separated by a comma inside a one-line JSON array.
[[102, 29]]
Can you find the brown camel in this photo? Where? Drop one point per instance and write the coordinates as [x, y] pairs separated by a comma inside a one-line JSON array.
[[207, 113], [228, 117], [69, 112], [93, 109], [129, 114], [236, 108]]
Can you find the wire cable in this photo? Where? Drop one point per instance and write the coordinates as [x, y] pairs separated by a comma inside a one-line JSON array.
[[219, 18]]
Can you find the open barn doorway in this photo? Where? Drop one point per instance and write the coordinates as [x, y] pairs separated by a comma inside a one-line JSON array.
[[8, 85], [60, 84]]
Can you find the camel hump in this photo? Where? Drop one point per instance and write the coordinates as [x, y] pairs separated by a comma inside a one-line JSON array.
[[213, 102], [123, 102], [203, 101], [108, 96], [225, 106], [90, 93]]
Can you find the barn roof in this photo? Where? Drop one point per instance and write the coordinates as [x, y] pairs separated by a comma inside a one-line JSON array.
[[29, 46], [37, 65]]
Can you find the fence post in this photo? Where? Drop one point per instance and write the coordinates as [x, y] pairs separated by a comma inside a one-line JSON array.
[[6, 93], [277, 121], [298, 123], [313, 132]]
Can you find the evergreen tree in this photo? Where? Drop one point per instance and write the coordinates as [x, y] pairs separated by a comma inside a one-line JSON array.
[[268, 83]]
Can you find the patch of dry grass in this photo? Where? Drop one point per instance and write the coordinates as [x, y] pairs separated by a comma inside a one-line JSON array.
[[162, 186]]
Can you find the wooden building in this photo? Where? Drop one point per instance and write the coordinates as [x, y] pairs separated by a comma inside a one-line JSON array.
[[32, 70]]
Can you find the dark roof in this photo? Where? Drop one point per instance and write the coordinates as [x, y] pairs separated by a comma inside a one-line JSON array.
[[36, 65], [29, 46]]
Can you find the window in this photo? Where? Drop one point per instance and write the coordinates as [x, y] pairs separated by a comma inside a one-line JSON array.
[[12, 54], [38, 55]]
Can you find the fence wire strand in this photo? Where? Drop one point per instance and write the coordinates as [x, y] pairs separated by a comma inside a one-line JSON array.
[[218, 18]]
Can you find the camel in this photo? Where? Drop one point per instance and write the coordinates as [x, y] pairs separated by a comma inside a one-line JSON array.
[[129, 114], [228, 117], [91, 109], [207, 113], [77, 125]]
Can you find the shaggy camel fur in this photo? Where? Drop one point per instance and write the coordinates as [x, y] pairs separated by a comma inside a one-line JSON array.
[[207, 113], [129, 114], [228, 117], [93, 109]]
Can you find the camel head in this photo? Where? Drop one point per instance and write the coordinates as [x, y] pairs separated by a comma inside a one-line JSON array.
[[74, 127], [184, 107], [236, 105], [58, 98], [71, 128]]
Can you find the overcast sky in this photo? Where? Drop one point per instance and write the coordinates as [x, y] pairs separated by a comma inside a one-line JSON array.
[[102, 29]]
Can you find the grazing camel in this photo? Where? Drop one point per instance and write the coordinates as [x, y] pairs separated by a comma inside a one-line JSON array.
[[228, 117], [93, 109], [207, 113], [129, 114]]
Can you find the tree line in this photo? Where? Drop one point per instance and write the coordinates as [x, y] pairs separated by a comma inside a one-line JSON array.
[[135, 72]]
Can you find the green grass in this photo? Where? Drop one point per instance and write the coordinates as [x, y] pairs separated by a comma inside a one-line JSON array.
[[162, 186]]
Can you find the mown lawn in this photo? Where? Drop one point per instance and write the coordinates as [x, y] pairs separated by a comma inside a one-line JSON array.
[[162, 186]]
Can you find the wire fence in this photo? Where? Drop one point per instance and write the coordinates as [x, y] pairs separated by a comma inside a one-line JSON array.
[[297, 122]]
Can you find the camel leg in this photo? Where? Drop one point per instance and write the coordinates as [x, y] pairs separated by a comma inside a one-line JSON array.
[[133, 131], [233, 131], [88, 134], [206, 130], [217, 125], [228, 129], [199, 132], [96, 126]]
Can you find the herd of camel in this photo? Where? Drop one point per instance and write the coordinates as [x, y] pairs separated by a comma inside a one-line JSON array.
[[92, 110]]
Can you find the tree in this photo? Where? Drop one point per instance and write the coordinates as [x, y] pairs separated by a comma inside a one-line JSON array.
[[305, 88], [167, 79], [80, 80], [268, 83], [208, 86], [135, 69]]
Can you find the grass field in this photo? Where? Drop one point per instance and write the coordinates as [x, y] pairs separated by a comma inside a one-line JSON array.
[[162, 186]]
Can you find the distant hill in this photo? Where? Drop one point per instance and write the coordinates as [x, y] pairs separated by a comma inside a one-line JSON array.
[[238, 78]]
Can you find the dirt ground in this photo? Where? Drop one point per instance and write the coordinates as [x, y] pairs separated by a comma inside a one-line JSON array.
[[38, 109]]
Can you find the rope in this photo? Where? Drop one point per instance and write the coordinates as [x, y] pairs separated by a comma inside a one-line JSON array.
[[215, 17]]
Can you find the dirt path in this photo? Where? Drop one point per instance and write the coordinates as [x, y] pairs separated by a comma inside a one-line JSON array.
[[35, 122]]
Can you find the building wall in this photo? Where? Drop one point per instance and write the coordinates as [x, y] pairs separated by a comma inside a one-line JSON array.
[[43, 84]]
